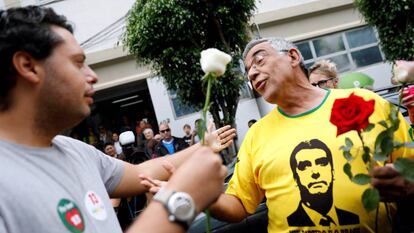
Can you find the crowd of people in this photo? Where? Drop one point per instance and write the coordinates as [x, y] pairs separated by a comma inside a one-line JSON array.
[[291, 157], [145, 140]]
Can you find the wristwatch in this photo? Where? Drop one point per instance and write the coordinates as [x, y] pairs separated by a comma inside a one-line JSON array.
[[180, 206]]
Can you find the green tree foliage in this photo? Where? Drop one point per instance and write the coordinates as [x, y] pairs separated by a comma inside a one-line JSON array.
[[170, 34], [394, 20]]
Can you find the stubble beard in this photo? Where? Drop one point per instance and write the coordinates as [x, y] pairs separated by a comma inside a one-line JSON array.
[[320, 202], [54, 114]]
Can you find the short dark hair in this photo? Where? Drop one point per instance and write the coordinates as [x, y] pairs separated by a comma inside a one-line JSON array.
[[108, 144], [25, 29], [306, 145]]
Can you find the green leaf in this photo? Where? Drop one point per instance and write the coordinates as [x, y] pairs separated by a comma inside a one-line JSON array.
[[344, 148], [405, 167], [348, 142], [365, 155], [361, 179], [347, 170], [201, 128], [369, 127], [384, 124], [379, 156], [387, 145], [348, 155], [370, 199]]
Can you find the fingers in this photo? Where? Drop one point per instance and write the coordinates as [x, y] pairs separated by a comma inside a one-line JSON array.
[[385, 172], [227, 136], [225, 145], [149, 182], [223, 129]]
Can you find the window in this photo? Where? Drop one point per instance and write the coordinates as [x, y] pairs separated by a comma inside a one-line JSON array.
[[350, 49], [180, 109]]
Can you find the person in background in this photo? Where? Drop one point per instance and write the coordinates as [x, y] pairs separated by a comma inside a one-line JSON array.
[[109, 149], [117, 145], [251, 122], [158, 137], [169, 144], [149, 143], [148, 134], [323, 74], [194, 136], [187, 134]]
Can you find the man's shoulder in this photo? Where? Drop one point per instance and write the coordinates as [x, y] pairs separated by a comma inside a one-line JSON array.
[[68, 142], [343, 93], [346, 217]]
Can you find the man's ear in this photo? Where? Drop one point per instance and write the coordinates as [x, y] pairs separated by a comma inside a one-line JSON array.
[[295, 55], [26, 66]]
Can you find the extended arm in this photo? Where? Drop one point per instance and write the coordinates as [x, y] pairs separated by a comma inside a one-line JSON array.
[[228, 208], [130, 182]]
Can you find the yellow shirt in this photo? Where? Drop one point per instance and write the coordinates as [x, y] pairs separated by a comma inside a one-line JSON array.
[[266, 168]]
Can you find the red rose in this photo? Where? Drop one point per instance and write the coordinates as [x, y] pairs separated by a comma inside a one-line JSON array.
[[351, 113]]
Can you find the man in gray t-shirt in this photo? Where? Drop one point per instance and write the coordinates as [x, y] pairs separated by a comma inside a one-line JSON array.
[[53, 184]]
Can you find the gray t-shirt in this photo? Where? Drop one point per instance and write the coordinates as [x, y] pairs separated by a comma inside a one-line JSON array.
[[63, 188]]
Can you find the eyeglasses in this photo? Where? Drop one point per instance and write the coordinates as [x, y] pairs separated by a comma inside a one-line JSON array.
[[165, 130], [259, 59], [322, 83]]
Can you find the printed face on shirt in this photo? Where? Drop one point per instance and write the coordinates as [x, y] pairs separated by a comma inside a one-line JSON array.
[[314, 170]]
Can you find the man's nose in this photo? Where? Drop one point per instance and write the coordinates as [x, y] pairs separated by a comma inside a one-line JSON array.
[[315, 175], [252, 73], [91, 76]]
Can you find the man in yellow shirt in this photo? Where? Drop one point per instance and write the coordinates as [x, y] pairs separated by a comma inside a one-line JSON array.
[[268, 166]]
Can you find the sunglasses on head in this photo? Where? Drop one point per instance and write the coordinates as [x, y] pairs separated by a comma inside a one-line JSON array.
[[165, 130]]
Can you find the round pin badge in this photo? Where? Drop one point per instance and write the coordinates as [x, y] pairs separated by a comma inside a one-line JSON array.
[[71, 216], [95, 205]]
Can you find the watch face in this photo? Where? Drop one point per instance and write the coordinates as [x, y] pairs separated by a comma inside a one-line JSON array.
[[181, 206]]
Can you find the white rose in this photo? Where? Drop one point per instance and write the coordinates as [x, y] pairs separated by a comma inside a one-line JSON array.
[[214, 61], [404, 71]]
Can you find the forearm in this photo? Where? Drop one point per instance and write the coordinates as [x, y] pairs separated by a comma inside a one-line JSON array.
[[130, 183], [228, 208], [154, 168], [155, 219]]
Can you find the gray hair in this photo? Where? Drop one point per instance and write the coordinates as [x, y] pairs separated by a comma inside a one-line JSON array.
[[147, 129], [279, 44]]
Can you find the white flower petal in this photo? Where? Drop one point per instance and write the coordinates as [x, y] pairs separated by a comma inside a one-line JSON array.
[[214, 61]]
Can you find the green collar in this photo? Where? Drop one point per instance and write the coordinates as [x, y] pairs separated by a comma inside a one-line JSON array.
[[307, 112]]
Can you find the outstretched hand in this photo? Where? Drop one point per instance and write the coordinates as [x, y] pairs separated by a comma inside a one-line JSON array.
[[221, 138], [154, 185]]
